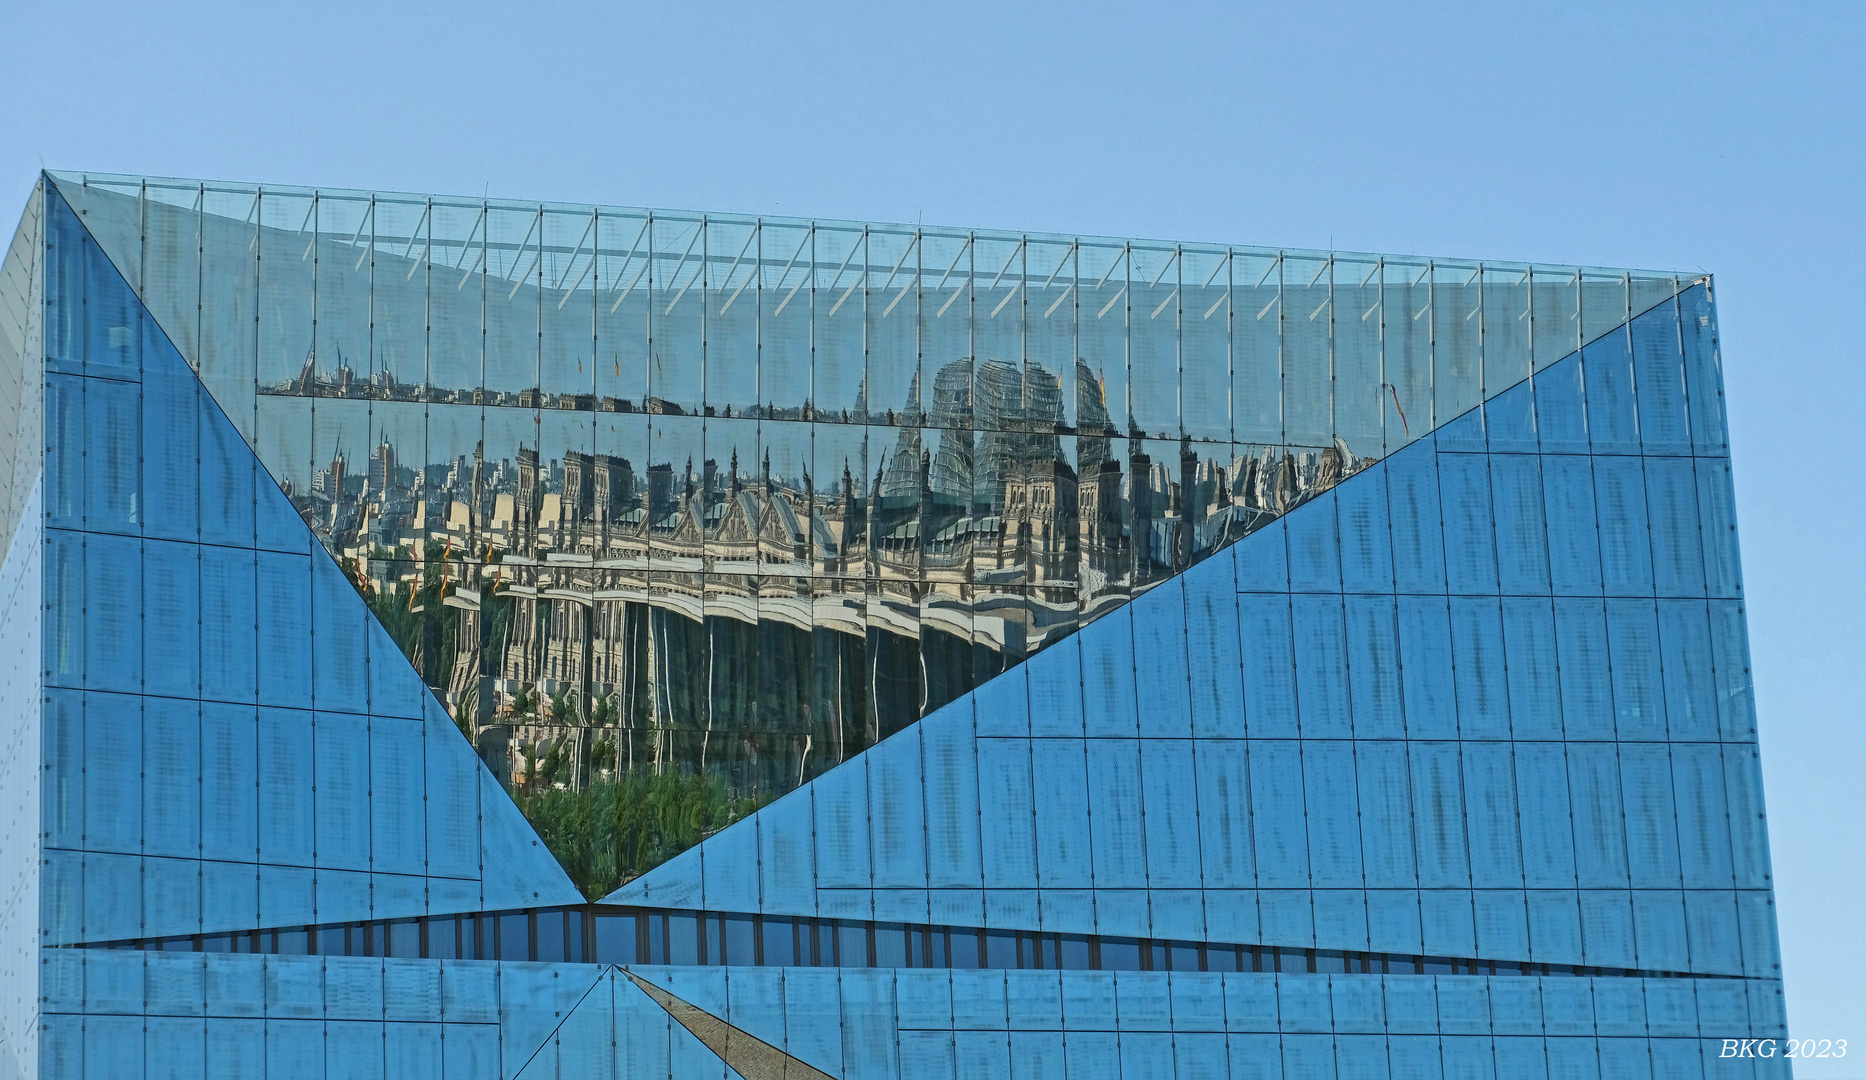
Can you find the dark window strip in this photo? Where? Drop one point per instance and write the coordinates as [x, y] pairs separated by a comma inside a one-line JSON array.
[[606, 934]]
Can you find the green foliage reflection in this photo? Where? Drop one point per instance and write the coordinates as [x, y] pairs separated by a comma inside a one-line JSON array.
[[617, 828]]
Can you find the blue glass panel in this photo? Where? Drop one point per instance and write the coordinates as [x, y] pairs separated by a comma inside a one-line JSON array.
[[1490, 816], [1256, 1057], [396, 793], [227, 467], [1625, 537], [172, 780], [1055, 681], [1418, 532], [176, 1048], [1201, 1055], [1438, 827], [1612, 416], [286, 810], [1116, 825], [112, 446], [295, 1049], [1366, 536], [1321, 666], [1651, 815], [1161, 676], [1002, 704], [896, 811], [1735, 692], [1703, 816], [1463, 1005], [1340, 920], [1314, 555], [1685, 660], [1262, 560], [1448, 922], [1502, 923], [1373, 668], [1470, 537], [472, 1051], [276, 523], [841, 833], [1715, 936], [229, 592], [1581, 648], [1386, 815], [452, 818], [1425, 659], [113, 753], [1510, 419], [1561, 416], [1269, 664], [1223, 782], [1529, 642], [1276, 801], [65, 243], [1144, 1056], [1749, 839], [1213, 659], [1607, 928], [1638, 690], [1723, 575], [113, 1048], [1599, 826], [413, 1050], [64, 458], [340, 779], [170, 442], [1171, 814], [171, 607], [1304, 1003], [64, 750], [337, 620], [111, 314], [1573, 537], [1059, 775], [1548, 835], [1108, 703], [1331, 812], [1659, 371], [1521, 525], [977, 999], [1411, 1003], [1703, 371], [395, 688], [1415, 1057], [952, 799], [284, 625], [1478, 665], [1006, 813], [113, 631], [1659, 931], [1308, 1057]]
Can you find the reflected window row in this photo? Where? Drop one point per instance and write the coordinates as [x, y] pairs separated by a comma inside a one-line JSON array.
[[607, 934]]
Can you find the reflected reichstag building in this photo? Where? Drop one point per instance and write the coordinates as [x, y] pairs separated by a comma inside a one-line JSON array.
[[495, 639]]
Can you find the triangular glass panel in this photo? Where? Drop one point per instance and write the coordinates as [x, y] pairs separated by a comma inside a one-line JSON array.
[[360, 778]]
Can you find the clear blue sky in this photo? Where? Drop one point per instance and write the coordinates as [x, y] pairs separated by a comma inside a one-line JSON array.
[[1674, 136]]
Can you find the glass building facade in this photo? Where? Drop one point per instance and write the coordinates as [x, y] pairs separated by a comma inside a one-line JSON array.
[[468, 638]]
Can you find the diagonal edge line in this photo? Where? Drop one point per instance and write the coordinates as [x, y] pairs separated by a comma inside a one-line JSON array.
[[568, 1013]]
